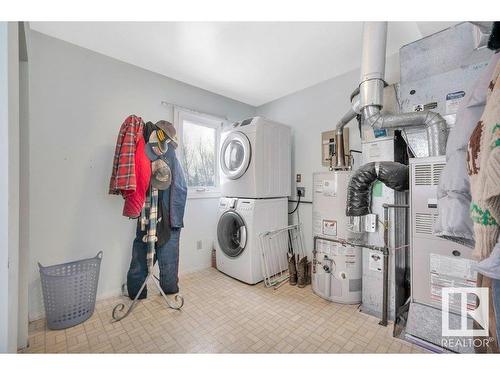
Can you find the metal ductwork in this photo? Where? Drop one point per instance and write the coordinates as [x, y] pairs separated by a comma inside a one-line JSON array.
[[369, 101], [372, 89], [359, 191], [435, 126]]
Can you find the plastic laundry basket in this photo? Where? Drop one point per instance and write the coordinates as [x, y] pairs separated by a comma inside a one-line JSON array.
[[69, 291]]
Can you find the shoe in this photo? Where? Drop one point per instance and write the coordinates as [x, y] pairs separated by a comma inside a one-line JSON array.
[[292, 270], [302, 272], [309, 272]]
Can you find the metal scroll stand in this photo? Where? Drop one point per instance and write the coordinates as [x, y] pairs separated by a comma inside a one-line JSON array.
[[151, 239]]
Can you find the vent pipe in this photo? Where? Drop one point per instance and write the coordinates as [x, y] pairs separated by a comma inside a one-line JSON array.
[[371, 87], [369, 101], [371, 90]]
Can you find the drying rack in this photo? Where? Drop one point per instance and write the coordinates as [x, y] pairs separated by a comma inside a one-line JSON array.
[[150, 239], [275, 246]]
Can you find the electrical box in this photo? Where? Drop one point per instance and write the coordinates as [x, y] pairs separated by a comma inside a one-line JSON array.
[[370, 223]]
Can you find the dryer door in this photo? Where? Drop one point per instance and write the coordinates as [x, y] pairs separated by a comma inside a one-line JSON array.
[[235, 155], [231, 233]]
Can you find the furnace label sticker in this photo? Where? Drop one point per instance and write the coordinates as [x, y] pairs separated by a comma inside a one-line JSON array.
[[330, 227], [318, 186], [451, 272], [317, 222], [453, 100], [330, 188]]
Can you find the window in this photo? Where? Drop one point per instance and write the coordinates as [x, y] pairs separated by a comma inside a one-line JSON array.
[[199, 145]]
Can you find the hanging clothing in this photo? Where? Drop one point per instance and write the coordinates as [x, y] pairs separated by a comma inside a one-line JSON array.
[[492, 346], [490, 266], [123, 174], [131, 168], [453, 221], [134, 199], [175, 196], [496, 303], [483, 165], [168, 263], [171, 206], [163, 225], [165, 252]]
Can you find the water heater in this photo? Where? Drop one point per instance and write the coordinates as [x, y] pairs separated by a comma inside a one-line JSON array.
[[337, 272]]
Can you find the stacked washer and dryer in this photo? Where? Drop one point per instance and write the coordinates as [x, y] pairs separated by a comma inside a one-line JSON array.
[[255, 178]]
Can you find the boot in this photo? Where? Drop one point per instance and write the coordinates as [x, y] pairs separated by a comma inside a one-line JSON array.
[[292, 270], [302, 272], [308, 275]]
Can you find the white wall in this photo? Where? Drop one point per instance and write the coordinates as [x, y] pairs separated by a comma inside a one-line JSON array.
[[78, 100], [24, 254], [9, 185], [310, 112], [4, 187]]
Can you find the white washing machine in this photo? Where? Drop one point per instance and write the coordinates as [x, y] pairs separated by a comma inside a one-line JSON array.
[[240, 222], [255, 159]]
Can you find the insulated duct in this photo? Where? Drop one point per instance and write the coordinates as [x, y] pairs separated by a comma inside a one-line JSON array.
[[392, 174]]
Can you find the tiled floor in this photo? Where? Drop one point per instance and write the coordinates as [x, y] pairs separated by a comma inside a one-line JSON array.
[[222, 315]]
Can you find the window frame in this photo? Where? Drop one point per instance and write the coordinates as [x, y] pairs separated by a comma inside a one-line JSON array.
[[181, 115]]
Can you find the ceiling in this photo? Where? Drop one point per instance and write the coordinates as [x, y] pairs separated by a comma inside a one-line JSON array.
[[253, 62]]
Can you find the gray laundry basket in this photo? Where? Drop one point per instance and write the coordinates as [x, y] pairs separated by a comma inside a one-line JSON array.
[[69, 291]]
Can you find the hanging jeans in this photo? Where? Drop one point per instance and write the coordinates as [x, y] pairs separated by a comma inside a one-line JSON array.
[[168, 262]]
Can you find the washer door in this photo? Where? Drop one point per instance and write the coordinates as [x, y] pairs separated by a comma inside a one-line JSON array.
[[231, 233], [235, 155]]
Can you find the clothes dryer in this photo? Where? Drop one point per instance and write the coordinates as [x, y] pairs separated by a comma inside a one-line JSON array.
[[255, 159]]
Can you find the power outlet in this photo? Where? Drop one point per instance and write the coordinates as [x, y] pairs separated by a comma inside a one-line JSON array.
[[199, 245], [301, 191]]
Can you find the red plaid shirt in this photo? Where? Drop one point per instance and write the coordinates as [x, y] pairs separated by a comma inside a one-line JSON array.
[[123, 174]]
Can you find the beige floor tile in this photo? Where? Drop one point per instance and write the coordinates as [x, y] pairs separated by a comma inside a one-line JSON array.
[[222, 315]]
